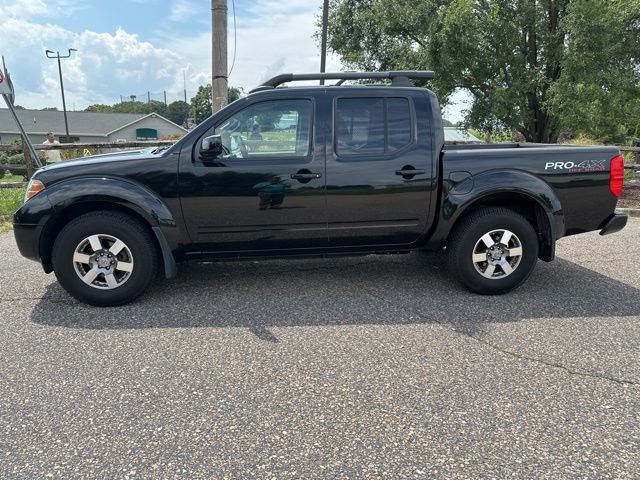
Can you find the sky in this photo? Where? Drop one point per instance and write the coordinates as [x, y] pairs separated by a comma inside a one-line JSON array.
[[131, 47]]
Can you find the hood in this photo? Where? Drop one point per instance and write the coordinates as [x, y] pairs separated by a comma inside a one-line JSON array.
[[102, 158], [124, 164]]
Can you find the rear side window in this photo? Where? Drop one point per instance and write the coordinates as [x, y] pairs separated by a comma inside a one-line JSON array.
[[366, 126], [398, 123]]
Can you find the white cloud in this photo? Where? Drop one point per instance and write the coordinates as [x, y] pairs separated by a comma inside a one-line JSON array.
[[21, 8], [277, 37], [273, 37], [182, 10], [105, 66]]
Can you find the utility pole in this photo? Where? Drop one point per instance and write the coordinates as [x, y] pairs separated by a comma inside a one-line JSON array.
[[50, 54], [219, 54], [323, 48]]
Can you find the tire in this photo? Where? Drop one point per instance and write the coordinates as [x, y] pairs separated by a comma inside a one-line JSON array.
[[480, 259], [128, 264]]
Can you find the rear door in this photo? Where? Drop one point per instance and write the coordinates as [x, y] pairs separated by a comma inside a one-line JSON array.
[[379, 170]]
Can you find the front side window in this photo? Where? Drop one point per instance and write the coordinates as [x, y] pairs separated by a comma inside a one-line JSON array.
[[366, 126], [276, 128]]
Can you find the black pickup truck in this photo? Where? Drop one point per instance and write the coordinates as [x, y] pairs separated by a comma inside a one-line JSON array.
[[315, 171]]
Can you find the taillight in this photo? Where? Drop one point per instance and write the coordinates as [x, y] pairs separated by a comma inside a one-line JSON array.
[[616, 175]]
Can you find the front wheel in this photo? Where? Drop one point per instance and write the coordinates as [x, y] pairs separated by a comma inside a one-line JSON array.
[[105, 258], [493, 251]]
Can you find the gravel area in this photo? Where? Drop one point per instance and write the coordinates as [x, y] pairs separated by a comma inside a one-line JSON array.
[[630, 196], [367, 367]]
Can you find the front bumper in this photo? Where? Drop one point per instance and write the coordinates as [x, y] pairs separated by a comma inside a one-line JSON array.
[[614, 223], [27, 238], [28, 224]]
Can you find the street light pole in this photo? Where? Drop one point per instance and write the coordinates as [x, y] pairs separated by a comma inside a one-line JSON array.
[[50, 54]]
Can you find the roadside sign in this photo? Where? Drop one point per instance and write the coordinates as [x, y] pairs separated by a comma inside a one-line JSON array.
[[6, 92], [5, 86]]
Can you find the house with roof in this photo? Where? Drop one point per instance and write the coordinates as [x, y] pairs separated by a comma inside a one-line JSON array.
[[87, 127]]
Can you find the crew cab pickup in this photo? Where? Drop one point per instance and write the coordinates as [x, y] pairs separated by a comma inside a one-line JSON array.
[[315, 171]]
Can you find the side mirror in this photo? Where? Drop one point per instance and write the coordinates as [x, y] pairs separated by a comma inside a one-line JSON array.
[[211, 146]]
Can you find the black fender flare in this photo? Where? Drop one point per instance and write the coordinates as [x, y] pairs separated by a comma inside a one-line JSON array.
[[127, 195], [495, 182]]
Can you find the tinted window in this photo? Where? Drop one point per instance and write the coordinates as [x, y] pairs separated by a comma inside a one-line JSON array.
[[398, 123], [360, 125], [278, 128]]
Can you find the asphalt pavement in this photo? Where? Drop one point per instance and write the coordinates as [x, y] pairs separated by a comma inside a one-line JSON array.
[[366, 367]]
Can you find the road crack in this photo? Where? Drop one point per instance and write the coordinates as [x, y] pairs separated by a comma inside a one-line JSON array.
[[504, 351]]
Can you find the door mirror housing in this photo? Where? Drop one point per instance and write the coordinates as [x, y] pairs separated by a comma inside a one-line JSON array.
[[211, 146]]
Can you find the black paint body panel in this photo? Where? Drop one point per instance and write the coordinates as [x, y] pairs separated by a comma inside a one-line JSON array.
[[211, 211]]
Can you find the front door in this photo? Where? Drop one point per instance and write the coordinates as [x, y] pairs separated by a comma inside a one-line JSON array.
[[266, 190]]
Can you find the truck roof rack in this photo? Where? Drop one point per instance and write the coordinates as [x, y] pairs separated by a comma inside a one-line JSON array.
[[400, 78]]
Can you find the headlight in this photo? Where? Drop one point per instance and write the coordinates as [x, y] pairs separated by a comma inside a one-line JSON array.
[[34, 187]]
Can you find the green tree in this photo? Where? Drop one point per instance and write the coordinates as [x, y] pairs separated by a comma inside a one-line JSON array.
[[140, 107], [157, 107], [598, 93], [178, 112], [129, 107], [50, 109], [536, 67], [201, 103], [99, 107]]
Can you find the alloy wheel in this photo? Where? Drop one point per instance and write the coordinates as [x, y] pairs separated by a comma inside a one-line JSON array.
[[497, 254], [103, 261]]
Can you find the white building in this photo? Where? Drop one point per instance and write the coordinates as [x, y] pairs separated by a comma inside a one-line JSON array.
[[87, 127]]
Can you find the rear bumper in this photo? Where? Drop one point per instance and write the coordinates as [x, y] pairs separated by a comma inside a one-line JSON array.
[[614, 223]]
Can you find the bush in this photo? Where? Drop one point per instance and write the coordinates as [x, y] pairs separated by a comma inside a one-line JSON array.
[[77, 153], [582, 140], [173, 136], [17, 159]]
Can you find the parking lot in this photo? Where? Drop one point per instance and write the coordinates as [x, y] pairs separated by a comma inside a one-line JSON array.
[[366, 367]]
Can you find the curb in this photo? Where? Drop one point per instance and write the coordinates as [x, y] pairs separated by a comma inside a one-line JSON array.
[[632, 212]]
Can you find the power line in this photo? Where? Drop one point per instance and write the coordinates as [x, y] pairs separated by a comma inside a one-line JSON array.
[[235, 40]]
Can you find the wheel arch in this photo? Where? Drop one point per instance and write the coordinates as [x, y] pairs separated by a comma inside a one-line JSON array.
[[527, 207], [93, 195], [519, 191]]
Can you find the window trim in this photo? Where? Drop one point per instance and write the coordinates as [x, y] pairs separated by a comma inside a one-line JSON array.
[[386, 155], [263, 160]]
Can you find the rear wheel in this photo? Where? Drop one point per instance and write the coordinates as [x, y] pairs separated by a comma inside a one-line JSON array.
[[105, 258], [493, 251]]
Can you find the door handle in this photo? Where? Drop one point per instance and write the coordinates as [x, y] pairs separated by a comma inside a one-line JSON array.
[[305, 176], [404, 173]]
